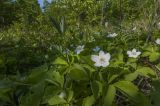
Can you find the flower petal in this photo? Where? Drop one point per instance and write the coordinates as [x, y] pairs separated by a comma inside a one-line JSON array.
[[158, 41], [134, 50], [95, 58], [101, 53], [129, 52], [107, 56], [97, 64], [138, 53], [105, 64]]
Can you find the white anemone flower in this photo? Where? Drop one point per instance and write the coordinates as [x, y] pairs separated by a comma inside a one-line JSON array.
[[46, 56], [67, 51], [112, 35], [102, 59], [96, 49], [62, 95], [134, 53], [134, 28], [158, 41], [79, 49], [158, 25], [106, 24]]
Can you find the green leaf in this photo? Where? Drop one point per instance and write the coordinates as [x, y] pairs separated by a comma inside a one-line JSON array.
[[49, 92], [96, 88], [116, 72], [109, 97], [5, 84], [112, 78], [60, 61], [69, 95], [56, 77], [88, 101], [151, 52], [131, 76], [118, 60], [56, 100], [87, 60], [77, 72], [64, 105], [158, 65], [5, 88], [132, 60], [88, 67], [34, 97], [146, 71], [1, 62], [155, 94], [132, 64], [38, 74], [132, 92], [154, 56]]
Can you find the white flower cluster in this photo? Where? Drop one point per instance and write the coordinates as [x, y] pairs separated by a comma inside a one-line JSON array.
[[102, 59]]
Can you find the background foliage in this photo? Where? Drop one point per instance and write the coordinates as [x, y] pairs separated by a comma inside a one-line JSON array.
[[39, 67]]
